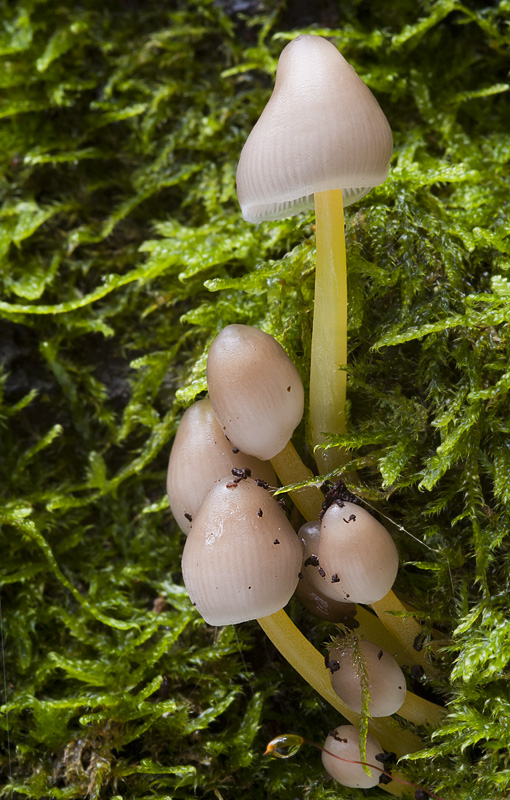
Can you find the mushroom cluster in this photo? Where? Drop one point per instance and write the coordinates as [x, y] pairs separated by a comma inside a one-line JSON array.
[[322, 140], [242, 558]]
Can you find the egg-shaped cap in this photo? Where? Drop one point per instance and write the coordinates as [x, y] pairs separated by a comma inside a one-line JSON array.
[[341, 757], [255, 389], [322, 129], [241, 559]]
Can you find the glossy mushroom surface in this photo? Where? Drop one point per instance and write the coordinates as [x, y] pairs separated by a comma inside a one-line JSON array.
[[256, 391], [357, 554], [343, 743], [242, 557]]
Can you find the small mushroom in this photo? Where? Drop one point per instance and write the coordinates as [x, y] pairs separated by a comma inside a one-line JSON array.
[[343, 743], [238, 564], [386, 681], [200, 455], [321, 138], [310, 589], [357, 554], [255, 389]]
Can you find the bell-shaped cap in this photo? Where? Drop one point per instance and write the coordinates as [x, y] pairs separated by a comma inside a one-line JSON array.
[[342, 751], [242, 557], [256, 391], [201, 454], [357, 554], [386, 681], [322, 129]]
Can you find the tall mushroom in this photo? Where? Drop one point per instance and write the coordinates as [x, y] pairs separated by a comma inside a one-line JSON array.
[[321, 138]]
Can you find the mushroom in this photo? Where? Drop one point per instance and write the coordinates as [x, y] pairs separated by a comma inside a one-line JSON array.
[[354, 660], [311, 584], [343, 743], [242, 557], [255, 389], [357, 554], [200, 455], [323, 137]]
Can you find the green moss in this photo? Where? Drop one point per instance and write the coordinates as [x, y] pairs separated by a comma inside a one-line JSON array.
[[122, 253]]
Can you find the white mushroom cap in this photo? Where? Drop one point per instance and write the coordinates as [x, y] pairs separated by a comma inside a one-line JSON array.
[[322, 129], [386, 681], [242, 557], [200, 455], [255, 389], [344, 742], [357, 554]]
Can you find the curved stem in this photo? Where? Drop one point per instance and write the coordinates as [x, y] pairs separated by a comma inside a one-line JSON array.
[[371, 628], [329, 334], [405, 628], [306, 660]]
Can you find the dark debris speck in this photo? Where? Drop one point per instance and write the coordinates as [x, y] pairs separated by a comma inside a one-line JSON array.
[[385, 758], [337, 493], [417, 672], [241, 472]]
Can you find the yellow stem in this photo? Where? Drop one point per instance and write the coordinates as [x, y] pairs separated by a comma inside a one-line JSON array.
[[371, 628], [290, 469], [329, 334], [309, 663], [406, 629], [306, 660]]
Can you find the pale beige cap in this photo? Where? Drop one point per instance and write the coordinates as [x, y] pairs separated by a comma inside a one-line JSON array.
[[255, 389], [322, 129], [242, 557], [201, 454]]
